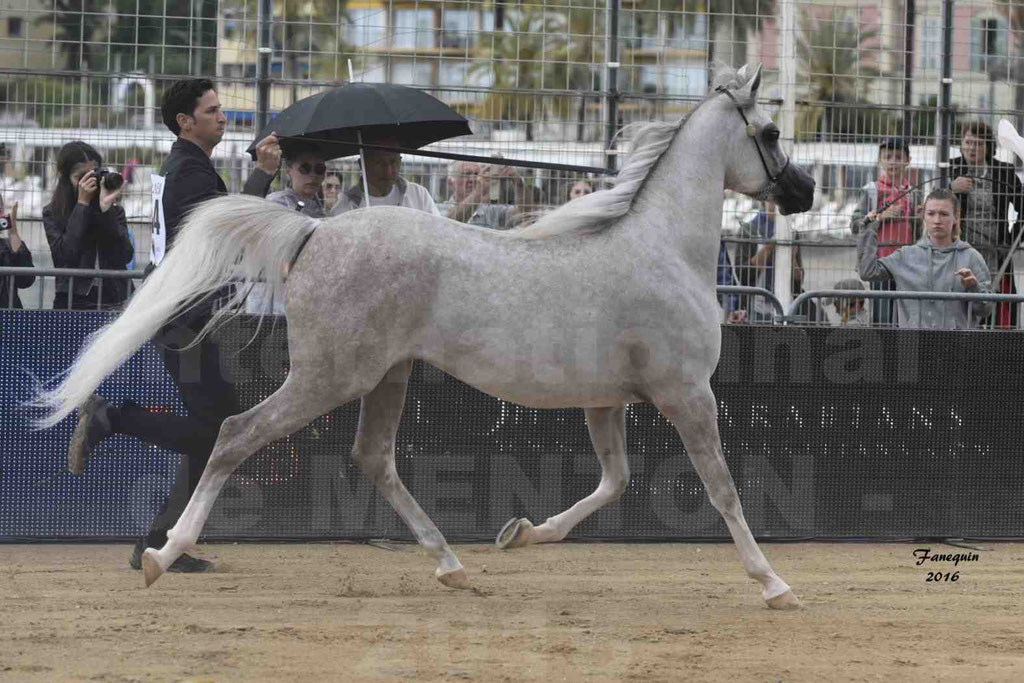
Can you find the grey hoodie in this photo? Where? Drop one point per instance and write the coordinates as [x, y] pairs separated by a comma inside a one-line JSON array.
[[924, 267]]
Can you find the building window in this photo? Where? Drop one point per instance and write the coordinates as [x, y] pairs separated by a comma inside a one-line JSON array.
[[988, 42], [930, 43], [364, 27], [411, 73], [686, 80], [414, 28], [640, 29], [457, 28], [14, 26], [686, 31]]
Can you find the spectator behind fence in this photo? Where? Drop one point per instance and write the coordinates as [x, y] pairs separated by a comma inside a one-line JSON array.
[[726, 276], [755, 267], [87, 229], [898, 223], [939, 262], [581, 188], [13, 253], [476, 195], [191, 110], [984, 201], [305, 169], [331, 189], [850, 310], [387, 187]]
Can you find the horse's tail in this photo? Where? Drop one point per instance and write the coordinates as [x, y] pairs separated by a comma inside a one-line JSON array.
[[228, 239]]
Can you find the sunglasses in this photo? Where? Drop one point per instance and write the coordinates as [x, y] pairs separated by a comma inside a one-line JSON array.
[[306, 169]]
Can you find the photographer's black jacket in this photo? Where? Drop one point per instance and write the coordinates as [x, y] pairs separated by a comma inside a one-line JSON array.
[[21, 258], [88, 238], [191, 178]]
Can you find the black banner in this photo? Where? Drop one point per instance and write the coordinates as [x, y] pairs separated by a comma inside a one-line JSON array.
[[828, 432]]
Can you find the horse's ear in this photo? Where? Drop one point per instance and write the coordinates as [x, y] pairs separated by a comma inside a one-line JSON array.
[[755, 82], [741, 74]]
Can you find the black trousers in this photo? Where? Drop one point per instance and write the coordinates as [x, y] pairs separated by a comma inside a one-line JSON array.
[[209, 399]]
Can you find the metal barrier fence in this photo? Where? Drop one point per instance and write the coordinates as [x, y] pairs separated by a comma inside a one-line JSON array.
[[845, 303], [730, 297], [544, 80]]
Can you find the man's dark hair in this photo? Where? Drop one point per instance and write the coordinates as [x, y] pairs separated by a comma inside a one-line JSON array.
[[983, 132], [182, 98], [896, 143]]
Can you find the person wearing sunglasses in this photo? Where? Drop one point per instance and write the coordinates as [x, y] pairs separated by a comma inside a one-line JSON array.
[[305, 169]]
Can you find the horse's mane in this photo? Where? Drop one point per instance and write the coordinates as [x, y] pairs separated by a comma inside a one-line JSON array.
[[598, 210]]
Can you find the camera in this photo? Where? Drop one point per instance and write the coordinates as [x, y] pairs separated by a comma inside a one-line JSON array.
[[111, 180], [5, 222]]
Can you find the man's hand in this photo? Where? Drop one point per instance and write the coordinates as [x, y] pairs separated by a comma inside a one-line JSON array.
[[268, 154], [967, 279], [108, 197], [737, 317], [962, 185], [15, 236], [894, 211], [87, 187]]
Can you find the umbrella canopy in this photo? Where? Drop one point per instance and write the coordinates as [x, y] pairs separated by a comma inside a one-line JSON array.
[[330, 120]]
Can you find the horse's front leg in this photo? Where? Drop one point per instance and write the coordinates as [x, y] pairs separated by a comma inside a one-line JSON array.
[[374, 452], [607, 428], [693, 411]]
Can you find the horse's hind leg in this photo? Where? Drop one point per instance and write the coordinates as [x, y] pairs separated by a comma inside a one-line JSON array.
[[374, 452], [694, 413], [608, 433], [299, 401]]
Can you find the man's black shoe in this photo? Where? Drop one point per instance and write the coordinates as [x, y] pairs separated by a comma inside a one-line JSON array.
[[93, 426], [185, 564]]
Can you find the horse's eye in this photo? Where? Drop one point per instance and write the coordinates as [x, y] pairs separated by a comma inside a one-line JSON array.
[[771, 135]]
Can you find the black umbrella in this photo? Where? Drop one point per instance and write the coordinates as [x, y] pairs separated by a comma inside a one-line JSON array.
[[332, 121]]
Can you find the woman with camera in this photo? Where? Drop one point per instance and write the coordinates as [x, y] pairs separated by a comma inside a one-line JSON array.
[[13, 252], [87, 229]]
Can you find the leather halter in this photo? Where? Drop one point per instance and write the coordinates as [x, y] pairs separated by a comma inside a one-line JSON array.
[[765, 192]]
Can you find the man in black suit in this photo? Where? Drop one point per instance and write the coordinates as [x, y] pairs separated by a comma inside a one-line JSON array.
[[191, 111]]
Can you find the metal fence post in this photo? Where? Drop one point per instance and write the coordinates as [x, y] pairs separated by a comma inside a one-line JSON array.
[[265, 48], [783, 286], [611, 59], [946, 90]]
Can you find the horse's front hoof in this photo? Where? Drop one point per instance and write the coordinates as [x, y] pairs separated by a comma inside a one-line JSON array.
[[785, 601], [515, 534], [151, 569], [457, 579]]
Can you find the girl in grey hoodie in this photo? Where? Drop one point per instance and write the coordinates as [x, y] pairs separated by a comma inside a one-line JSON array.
[[939, 262]]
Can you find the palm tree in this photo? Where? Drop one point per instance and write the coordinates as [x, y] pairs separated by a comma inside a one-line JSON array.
[[734, 20], [531, 54], [829, 52]]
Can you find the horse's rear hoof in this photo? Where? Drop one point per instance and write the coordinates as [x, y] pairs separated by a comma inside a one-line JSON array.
[[785, 601], [457, 579], [151, 569], [515, 534]]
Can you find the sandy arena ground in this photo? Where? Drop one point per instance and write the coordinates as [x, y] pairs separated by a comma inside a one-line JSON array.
[[575, 612]]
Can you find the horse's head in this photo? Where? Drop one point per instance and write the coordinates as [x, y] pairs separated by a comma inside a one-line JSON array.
[[757, 166]]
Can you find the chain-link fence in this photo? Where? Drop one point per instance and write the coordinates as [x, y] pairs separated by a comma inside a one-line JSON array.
[[547, 81]]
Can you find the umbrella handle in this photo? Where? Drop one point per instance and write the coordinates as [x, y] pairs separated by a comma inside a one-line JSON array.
[[362, 164]]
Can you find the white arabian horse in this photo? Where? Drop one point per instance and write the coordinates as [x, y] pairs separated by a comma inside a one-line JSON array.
[[607, 301]]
